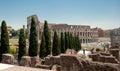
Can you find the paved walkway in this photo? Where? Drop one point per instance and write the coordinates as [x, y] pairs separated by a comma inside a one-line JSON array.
[[6, 67]]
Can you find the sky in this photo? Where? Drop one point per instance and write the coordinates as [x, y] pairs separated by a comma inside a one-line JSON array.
[[104, 14]]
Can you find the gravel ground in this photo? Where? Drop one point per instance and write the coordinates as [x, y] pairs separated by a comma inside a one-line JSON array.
[[6, 67]]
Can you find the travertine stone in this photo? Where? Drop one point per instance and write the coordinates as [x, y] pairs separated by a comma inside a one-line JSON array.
[[35, 61], [25, 61], [115, 53], [8, 59]]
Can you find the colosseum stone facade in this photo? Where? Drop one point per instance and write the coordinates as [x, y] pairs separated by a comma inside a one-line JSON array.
[[86, 34]]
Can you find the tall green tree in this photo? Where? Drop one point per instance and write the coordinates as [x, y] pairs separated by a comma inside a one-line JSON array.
[[78, 43], [66, 41], [70, 41], [4, 40], [47, 38], [42, 47], [55, 48], [33, 40], [75, 42], [22, 44], [62, 43], [15, 33]]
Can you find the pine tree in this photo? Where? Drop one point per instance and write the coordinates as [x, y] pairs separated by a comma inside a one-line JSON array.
[[56, 48], [42, 47], [4, 40], [47, 38], [62, 43], [33, 41], [22, 44]]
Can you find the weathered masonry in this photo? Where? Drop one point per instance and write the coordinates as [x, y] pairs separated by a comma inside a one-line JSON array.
[[115, 37], [85, 33]]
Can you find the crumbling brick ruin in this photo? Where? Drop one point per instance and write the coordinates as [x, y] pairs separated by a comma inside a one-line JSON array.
[[115, 36], [67, 62]]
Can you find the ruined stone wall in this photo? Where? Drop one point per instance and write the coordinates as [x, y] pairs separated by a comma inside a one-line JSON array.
[[115, 36], [70, 63], [73, 63], [8, 59], [67, 62]]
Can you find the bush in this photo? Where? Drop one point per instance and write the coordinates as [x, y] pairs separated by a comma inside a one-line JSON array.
[[13, 49]]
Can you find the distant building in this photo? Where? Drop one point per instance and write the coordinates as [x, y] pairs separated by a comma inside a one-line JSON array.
[[9, 28], [107, 33], [99, 32], [115, 37], [29, 25], [84, 32], [94, 34]]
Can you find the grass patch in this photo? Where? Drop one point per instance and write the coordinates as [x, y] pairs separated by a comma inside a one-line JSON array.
[[91, 47]]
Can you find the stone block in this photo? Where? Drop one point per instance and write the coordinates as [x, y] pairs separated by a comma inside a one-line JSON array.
[[105, 54], [44, 67], [110, 59], [35, 61], [101, 59], [8, 59], [52, 60], [115, 53], [25, 61], [56, 68], [70, 63], [95, 56]]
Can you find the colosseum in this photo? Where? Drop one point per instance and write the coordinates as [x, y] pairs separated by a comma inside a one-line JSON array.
[[85, 32]]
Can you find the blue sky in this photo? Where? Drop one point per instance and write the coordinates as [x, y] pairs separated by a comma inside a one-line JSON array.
[[96, 13]]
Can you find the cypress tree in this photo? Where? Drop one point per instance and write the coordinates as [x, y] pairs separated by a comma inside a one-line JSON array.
[[56, 48], [78, 43], [75, 46], [66, 41], [42, 47], [70, 41], [62, 43], [4, 40], [47, 38], [75, 43], [22, 44], [33, 41]]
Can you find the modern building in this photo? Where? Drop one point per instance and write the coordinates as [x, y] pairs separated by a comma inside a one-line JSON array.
[[85, 33]]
